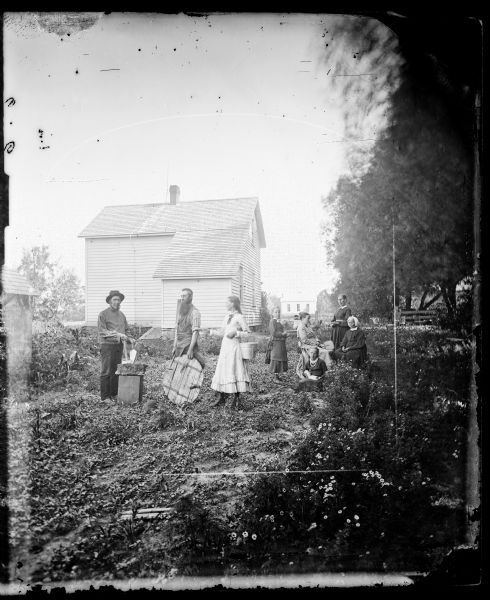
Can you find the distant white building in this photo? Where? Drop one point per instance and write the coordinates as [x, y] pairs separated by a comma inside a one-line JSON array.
[[290, 308]]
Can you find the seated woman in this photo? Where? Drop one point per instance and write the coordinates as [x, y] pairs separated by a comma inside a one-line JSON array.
[[353, 347], [307, 338], [312, 371]]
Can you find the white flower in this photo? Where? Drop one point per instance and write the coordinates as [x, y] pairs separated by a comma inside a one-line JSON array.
[[318, 455], [348, 520], [340, 512], [358, 524], [233, 535], [254, 536], [356, 517], [245, 534], [325, 516]]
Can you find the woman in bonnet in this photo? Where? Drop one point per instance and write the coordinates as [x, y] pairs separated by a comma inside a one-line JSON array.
[[353, 346]]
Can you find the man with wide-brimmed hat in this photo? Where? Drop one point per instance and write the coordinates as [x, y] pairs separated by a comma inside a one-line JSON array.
[[113, 331]]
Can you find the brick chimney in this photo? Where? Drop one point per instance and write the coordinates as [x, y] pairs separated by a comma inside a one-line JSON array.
[[174, 194]]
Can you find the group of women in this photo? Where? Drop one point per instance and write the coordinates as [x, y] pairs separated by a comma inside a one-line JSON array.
[[348, 339], [232, 376]]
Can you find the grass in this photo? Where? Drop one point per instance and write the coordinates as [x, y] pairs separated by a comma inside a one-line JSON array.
[[76, 464]]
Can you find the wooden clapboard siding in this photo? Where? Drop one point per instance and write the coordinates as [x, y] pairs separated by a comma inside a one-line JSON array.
[[209, 297], [251, 279], [126, 264]]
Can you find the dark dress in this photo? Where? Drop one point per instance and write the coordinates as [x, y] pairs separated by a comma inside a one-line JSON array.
[[318, 370], [279, 354], [355, 340], [340, 329]]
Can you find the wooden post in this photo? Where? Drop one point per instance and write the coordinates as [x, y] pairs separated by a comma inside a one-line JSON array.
[[179, 301]]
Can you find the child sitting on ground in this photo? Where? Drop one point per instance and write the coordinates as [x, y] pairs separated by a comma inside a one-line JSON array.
[[311, 372]]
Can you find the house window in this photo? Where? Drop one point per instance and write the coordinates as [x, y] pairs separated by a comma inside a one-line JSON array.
[[297, 307], [289, 308], [307, 308], [240, 283]]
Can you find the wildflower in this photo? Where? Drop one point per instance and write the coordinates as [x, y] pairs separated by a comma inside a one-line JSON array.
[[282, 512], [312, 526], [318, 455], [356, 517], [340, 511], [233, 535], [358, 524], [325, 516], [254, 536], [423, 482], [348, 520], [272, 518], [353, 483], [245, 534]]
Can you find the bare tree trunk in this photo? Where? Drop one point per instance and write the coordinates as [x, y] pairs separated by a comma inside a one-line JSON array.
[[432, 300], [422, 300], [449, 295], [408, 301]]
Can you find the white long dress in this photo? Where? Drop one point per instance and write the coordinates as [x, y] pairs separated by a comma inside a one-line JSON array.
[[231, 375]]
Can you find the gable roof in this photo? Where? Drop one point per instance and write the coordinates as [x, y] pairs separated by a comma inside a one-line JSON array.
[[15, 283], [198, 254], [154, 219]]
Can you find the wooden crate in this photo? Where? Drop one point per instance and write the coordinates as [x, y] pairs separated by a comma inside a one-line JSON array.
[[130, 389]]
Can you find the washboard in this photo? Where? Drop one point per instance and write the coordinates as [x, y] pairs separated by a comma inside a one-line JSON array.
[[182, 380]]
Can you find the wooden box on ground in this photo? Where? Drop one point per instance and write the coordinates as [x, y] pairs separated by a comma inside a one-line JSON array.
[[130, 385]]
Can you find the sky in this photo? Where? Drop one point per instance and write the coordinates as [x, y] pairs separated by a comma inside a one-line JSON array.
[[225, 106]]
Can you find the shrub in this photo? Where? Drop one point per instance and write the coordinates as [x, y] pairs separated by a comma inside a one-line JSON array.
[[195, 536], [164, 417], [269, 419], [304, 406], [110, 429], [210, 344]]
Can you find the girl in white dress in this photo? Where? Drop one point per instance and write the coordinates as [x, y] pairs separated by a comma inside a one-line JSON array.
[[231, 375]]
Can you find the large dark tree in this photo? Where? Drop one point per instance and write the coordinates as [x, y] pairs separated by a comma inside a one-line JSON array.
[[419, 175]]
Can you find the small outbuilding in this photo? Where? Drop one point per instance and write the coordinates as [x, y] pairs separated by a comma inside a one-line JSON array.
[[17, 297]]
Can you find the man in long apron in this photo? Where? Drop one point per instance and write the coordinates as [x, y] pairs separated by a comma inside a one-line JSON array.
[[187, 329]]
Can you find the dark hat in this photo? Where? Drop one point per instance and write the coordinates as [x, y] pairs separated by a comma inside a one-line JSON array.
[[114, 293]]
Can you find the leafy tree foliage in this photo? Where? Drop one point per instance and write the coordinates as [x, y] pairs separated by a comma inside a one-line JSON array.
[[416, 180], [60, 291]]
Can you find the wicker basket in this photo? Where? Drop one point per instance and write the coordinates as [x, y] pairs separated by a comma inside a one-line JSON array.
[[248, 350]]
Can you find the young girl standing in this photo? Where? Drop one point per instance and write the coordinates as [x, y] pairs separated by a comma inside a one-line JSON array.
[[231, 375]]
